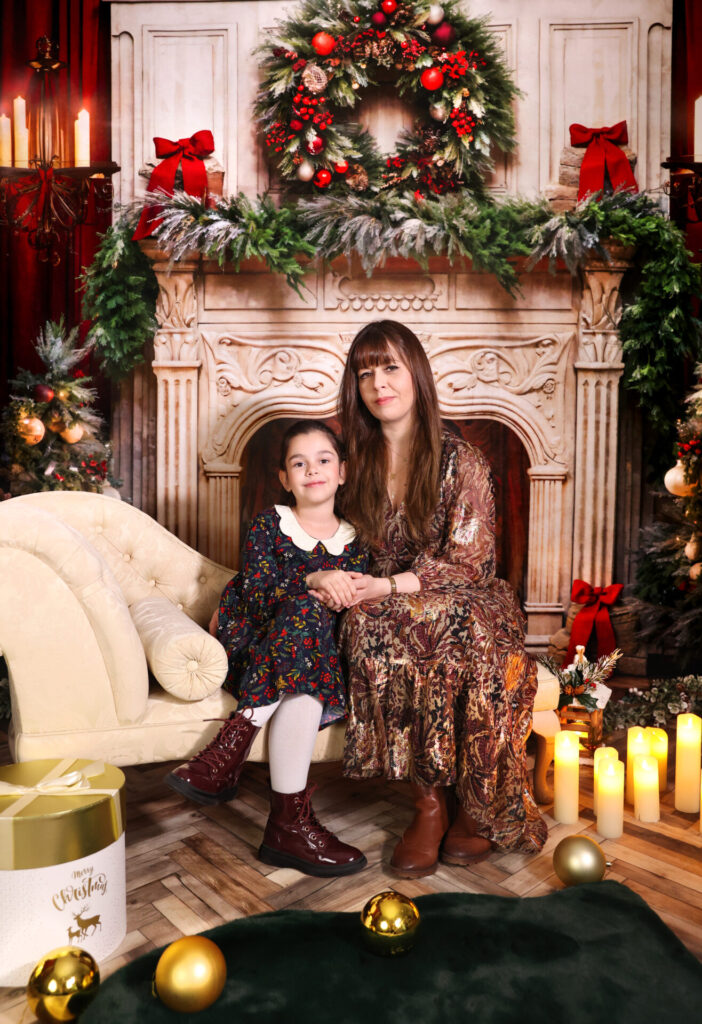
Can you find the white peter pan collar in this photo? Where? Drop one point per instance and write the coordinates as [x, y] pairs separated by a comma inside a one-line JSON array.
[[292, 529]]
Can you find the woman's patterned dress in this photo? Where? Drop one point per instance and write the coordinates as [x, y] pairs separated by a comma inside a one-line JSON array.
[[280, 639], [441, 690]]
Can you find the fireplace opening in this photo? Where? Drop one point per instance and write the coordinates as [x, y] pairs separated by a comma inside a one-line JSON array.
[[260, 487]]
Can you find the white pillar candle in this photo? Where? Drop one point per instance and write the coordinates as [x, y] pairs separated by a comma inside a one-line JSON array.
[[658, 743], [566, 778], [637, 742], [5, 141], [610, 800], [646, 802], [82, 139], [601, 754], [687, 763], [19, 115]]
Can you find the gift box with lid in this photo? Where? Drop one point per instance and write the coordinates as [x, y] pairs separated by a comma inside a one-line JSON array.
[[62, 864]]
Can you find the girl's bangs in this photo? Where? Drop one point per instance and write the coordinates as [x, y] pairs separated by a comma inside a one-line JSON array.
[[373, 349]]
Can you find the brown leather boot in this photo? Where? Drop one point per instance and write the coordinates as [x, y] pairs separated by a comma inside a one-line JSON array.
[[212, 776], [294, 838], [462, 844], [417, 853]]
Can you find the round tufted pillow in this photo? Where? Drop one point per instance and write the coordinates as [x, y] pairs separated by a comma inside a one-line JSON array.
[[186, 660]]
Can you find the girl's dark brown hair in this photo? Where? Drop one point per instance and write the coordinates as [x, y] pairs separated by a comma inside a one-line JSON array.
[[365, 494]]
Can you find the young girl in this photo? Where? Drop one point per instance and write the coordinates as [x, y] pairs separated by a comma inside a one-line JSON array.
[[283, 663]]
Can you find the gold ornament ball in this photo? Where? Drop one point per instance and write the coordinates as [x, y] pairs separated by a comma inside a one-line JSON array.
[[389, 920], [579, 859], [72, 434], [56, 423], [693, 548], [31, 429], [190, 974], [695, 571], [62, 984], [674, 481]]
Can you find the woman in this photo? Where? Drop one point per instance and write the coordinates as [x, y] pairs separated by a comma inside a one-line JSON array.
[[441, 690]]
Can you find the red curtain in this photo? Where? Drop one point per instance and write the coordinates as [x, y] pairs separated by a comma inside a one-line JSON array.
[[32, 292]]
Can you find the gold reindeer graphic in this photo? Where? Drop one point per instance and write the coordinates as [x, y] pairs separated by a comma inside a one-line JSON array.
[[73, 934], [85, 923]]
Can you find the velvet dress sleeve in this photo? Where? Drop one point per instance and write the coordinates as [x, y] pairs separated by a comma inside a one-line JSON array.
[[262, 577], [465, 556]]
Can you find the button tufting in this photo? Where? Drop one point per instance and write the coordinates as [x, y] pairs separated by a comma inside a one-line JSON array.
[[203, 579], [179, 607], [98, 529], [126, 557], [192, 665], [152, 583]]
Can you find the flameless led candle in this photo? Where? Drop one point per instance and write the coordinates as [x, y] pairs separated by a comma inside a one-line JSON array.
[[687, 763], [637, 742], [646, 803], [82, 139], [610, 800], [5, 141], [658, 742], [19, 114], [601, 754], [566, 777]]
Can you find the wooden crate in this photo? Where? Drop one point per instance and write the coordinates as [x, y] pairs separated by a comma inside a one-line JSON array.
[[588, 725]]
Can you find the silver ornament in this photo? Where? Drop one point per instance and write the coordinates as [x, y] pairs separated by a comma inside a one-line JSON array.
[[305, 171], [438, 111], [435, 15]]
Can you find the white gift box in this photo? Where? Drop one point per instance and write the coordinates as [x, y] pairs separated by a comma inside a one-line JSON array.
[[62, 865]]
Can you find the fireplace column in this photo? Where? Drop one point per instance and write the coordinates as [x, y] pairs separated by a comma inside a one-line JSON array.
[[543, 604], [598, 370], [177, 366]]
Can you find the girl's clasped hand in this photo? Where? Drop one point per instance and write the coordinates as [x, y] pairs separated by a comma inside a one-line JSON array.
[[338, 589]]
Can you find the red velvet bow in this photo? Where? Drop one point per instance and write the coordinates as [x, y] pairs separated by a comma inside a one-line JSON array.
[[595, 613], [602, 151], [186, 152]]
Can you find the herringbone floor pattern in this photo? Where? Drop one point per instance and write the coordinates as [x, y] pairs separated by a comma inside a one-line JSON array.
[[190, 868]]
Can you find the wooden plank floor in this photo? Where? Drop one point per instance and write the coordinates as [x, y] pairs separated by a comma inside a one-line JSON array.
[[190, 868]]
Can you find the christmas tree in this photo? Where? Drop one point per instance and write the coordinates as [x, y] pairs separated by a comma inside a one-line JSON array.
[[50, 434]]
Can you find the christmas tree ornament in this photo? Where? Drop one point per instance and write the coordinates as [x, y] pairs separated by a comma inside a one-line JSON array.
[[378, 19], [31, 430], [62, 985], [296, 125], [314, 145], [579, 859], [323, 177], [323, 43], [695, 571], [56, 423], [435, 15], [314, 79], [388, 6], [62, 394], [43, 393], [693, 548], [432, 79], [305, 171], [389, 923], [190, 974], [674, 481], [73, 433], [444, 35], [341, 166], [439, 111]]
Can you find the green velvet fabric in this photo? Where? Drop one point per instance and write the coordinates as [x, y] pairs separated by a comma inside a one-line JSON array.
[[594, 953]]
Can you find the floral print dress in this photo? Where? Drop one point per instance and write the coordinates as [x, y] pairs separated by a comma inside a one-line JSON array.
[[441, 690], [279, 639]]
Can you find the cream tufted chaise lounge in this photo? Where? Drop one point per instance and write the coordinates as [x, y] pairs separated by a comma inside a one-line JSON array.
[[91, 591]]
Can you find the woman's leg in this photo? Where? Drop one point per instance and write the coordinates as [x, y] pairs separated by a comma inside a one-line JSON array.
[[294, 837]]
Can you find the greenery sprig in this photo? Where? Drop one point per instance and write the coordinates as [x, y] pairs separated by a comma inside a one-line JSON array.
[[657, 706]]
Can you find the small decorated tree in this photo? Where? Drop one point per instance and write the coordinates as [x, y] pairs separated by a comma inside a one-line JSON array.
[[50, 434]]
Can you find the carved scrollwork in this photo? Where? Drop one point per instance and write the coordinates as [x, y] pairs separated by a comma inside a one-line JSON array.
[[245, 370], [385, 292], [176, 312], [600, 316]]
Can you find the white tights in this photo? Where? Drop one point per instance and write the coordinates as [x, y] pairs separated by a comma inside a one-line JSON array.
[[291, 738]]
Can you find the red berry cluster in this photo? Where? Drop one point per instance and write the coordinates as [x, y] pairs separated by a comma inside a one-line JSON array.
[[462, 122], [277, 136], [455, 65], [311, 108], [411, 49], [687, 448], [94, 468]]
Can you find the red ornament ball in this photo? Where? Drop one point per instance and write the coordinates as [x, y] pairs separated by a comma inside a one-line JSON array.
[[43, 393], [323, 43], [378, 19], [389, 6], [322, 177], [432, 79], [296, 125], [341, 166], [315, 145], [444, 35]]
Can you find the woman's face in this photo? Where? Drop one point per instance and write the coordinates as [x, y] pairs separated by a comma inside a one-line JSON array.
[[388, 391]]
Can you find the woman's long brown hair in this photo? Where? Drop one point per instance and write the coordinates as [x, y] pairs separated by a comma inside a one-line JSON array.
[[365, 492]]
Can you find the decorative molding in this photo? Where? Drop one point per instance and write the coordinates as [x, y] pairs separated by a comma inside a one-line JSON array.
[[385, 292], [176, 312]]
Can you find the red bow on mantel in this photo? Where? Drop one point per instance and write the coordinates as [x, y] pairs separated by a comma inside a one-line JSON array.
[[595, 613], [188, 152], [603, 151]]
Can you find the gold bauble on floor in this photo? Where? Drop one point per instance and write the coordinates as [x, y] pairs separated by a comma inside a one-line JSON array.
[[190, 974], [389, 922], [579, 859], [62, 984]]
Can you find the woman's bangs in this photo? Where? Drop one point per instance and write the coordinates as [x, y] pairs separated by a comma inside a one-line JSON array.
[[370, 351]]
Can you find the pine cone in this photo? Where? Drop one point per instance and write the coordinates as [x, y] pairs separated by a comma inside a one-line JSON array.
[[314, 79], [357, 178]]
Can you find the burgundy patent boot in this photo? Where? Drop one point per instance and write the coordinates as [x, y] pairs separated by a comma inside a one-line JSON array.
[[212, 776], [294, 838], [417, 853], [462, 844]]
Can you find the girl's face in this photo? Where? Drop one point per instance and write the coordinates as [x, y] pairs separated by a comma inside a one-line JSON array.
[[312, 469], [388, 391]]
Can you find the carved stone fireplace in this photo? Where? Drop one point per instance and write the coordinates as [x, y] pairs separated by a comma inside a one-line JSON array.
[[234, 351]]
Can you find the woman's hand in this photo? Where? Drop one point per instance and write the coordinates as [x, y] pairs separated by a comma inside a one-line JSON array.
[[212, 628], [372, 588], [334, 587]]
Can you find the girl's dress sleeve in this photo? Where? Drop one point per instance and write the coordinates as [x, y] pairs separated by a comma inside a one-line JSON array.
[[262, 578], [466, 554]]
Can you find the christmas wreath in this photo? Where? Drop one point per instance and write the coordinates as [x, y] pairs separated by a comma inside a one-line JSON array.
[[318, 61]]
